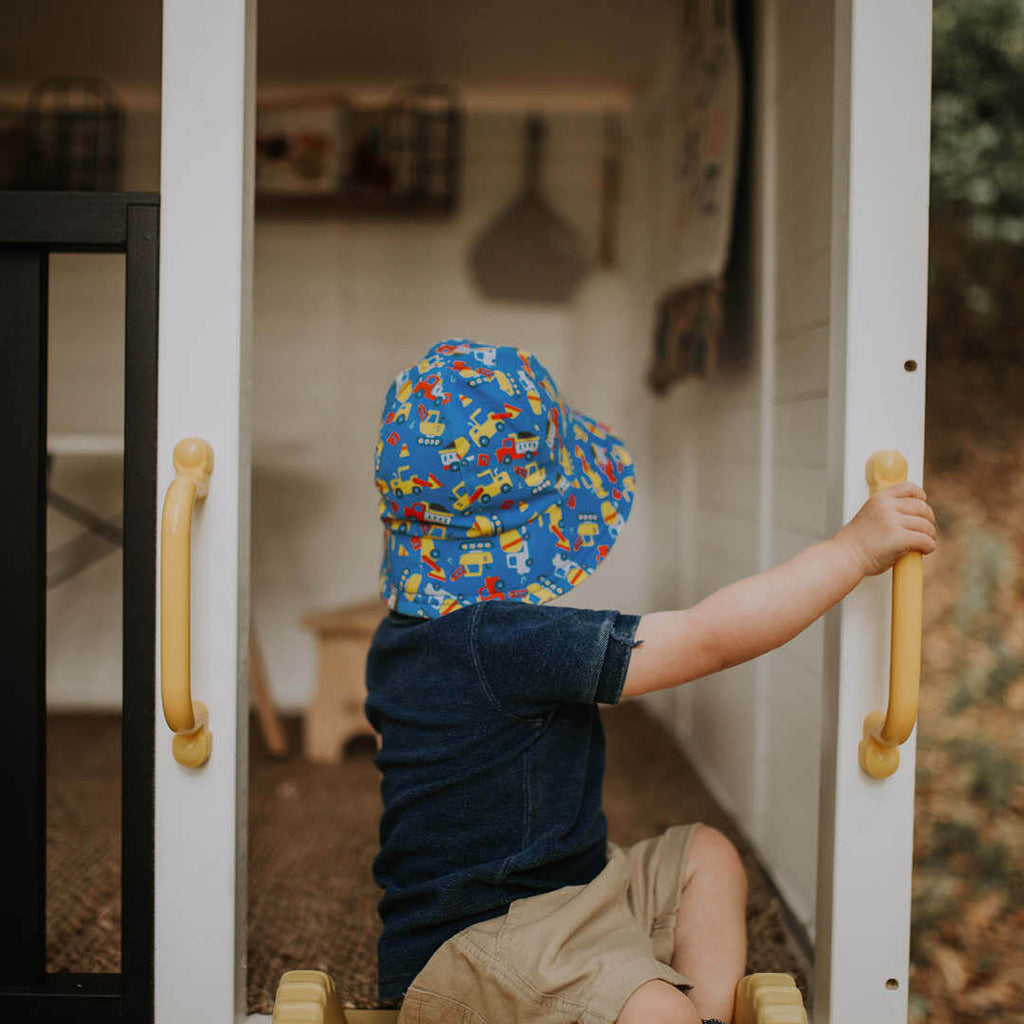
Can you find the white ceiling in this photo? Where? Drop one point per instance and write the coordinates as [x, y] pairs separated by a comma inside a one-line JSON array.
[[537, 45]]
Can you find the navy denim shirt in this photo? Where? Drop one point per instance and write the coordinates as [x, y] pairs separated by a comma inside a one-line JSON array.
[[492, 760]]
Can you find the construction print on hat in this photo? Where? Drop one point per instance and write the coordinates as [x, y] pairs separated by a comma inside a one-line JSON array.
[[492, 488]]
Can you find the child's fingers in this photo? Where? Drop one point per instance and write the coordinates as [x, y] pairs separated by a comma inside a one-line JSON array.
[[920, 534], [921, 541], [916, 507], [906, 489], [919, 525]]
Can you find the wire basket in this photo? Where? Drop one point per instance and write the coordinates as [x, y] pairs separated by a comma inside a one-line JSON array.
[[73, 136], [422, 143]]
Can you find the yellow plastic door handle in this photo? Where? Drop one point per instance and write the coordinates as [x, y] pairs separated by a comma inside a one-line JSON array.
[[879, 750], [193, 463]]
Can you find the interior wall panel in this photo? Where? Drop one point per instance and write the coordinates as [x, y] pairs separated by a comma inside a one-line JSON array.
[[793, 706], [747, 515]]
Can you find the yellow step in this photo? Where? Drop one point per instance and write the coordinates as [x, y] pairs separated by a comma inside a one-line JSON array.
[[309, 997], [769, 999]]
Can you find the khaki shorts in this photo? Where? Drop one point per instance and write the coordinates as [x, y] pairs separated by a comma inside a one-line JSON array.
[[574, 954]]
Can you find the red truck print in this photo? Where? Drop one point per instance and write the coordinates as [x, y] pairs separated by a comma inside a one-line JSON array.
[[428, 512], [427, 551], [473, 375], [517, 446], [452, 347], [430, 387], [552, 430], [603, 461], [491, 590], [507, 451]]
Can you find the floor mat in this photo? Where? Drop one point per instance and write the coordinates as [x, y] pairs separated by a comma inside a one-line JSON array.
[[312, 840]]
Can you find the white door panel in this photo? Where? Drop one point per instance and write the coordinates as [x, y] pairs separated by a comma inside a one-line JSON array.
[[205, 298], [876, 401], [877, 320]]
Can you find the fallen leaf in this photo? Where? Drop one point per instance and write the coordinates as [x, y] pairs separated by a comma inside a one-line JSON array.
[[980, 913], [997, 994], [1014, 696], [953, 966]]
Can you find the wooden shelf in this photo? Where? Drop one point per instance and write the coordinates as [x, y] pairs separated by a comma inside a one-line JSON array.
[[85, 444], [352, 206]]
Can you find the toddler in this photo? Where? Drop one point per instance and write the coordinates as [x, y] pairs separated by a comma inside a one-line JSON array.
[[503, 898]]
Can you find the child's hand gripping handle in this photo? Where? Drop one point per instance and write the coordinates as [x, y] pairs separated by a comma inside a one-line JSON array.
[[878, 752]]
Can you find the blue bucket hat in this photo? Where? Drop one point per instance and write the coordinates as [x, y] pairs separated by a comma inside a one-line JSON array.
[[492, 488]]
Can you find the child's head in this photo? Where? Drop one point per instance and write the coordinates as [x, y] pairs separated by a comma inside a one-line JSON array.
[[492, 488]]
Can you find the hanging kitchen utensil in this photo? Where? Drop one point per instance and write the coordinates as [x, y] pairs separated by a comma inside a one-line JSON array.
[[529, 253]]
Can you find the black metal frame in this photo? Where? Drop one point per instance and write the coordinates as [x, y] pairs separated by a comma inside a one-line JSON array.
[[32, 225]]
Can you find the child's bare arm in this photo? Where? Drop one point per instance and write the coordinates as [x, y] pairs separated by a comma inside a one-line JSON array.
[[758, 614]]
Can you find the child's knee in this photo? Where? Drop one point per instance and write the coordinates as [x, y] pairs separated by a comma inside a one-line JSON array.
[[713, 855], [658, 1002]]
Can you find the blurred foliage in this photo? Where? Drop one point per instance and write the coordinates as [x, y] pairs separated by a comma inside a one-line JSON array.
[[978, 112], [979, 614], [976, 304], [993, 773], [967, 918], [985, 564]]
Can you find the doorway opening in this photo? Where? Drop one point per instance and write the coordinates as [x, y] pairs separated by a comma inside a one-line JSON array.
[[350, 288]]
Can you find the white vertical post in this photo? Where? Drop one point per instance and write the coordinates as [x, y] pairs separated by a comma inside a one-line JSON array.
[[879, 280], [206, 179], [765, 106]]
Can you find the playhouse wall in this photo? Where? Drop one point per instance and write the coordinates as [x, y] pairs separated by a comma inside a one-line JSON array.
[[340, 308], [730, 472], [792, 701], [745, 456]]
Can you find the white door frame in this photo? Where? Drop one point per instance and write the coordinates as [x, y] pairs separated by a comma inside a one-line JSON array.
[[206, 185], [881, 124], [878, 295]]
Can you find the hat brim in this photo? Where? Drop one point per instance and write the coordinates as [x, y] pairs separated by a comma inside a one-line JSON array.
[[596, 505]]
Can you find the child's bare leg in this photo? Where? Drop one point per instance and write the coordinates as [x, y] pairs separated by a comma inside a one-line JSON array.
[[711, 923], [658, 1002], [710, 944]]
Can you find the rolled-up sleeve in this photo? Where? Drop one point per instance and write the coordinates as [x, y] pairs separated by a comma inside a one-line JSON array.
[[616, 658], [530, 658]]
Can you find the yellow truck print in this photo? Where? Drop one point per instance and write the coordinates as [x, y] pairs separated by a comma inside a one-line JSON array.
[[587, 530], [475, 558], [452, 454], [483, 430], [498, 483], [404, 485], [431, 426]]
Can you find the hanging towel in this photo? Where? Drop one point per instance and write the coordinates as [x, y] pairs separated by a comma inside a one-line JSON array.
[[689, 324], [701, 123]]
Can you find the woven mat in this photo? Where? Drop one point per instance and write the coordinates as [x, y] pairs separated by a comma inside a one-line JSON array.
[[312, 839]]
